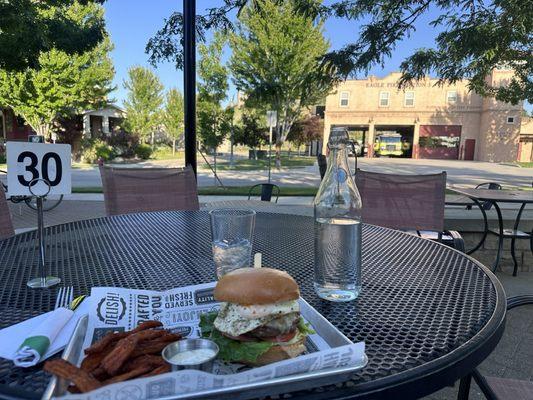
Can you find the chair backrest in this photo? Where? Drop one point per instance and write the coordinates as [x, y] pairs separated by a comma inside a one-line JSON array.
[[130, 190], [6, 226], [487, 205], [322, 165], [267, 190], [406, 202]]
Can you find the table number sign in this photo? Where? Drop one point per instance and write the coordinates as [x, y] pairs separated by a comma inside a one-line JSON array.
[[27, 162], [39, 170]]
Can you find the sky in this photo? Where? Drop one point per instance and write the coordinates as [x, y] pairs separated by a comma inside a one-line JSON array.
[[132, 23]]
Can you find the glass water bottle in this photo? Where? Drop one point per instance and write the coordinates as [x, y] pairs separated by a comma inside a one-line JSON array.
[[337, 211]]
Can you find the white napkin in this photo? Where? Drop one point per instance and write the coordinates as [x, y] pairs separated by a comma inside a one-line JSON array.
[[56, 325], [36, 344]]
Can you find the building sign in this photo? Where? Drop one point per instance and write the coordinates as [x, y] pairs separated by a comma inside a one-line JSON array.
[[395, 84]]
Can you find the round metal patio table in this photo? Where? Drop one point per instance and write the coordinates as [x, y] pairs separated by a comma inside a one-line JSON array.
[[427, 313]]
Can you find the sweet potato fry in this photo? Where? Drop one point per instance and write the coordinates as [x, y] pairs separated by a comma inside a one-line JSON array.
[[148, 359], [148, 334], [66, 370], [93, 360], [100, 374], [114, 360], [155, 346], [159, 370], [107, 340], [73, 389], [140, 370], [147, 325]]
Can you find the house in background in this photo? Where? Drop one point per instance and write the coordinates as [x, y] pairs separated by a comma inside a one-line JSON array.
[[13, 127], [102, 121]]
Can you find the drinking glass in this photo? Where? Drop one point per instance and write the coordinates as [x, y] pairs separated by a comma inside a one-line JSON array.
[[231, 235]]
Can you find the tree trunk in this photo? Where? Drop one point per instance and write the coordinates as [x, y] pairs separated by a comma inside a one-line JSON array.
[[231, 159], [278, 154], [152, 140], [173, 147], [215, 159]]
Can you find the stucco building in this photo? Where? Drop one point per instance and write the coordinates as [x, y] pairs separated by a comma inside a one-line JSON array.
[[446, 122]]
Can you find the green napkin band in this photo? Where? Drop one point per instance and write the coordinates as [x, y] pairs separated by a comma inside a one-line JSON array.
[[38, 343]]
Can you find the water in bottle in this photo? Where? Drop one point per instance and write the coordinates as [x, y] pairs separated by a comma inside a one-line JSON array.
[[337, 211]]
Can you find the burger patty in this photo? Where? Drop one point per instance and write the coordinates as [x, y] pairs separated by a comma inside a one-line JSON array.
[[276, 327]]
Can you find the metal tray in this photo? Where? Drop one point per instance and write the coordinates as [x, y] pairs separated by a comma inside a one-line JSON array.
[[74, 354]]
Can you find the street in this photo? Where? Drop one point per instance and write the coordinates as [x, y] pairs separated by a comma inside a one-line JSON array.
[[460, 173]]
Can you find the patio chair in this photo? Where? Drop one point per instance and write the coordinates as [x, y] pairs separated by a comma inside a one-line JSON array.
[[322, 165], [267, 190], [411, 203], [131, 190], [483, 206], [6, 226], [500, 388]]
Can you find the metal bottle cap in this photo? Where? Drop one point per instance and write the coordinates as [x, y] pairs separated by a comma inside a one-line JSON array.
[[338, 136]]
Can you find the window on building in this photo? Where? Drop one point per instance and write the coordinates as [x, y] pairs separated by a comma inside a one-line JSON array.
[[345, 97], [510, 120], [451, 97], [409, 99], [384, 99]]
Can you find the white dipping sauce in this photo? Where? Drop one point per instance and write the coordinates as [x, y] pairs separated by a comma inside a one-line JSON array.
[[192, 357]]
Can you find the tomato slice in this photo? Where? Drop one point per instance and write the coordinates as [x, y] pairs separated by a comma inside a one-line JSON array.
[[282, 338]]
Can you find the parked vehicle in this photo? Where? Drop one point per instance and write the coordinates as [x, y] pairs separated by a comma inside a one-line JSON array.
[[388, 144]]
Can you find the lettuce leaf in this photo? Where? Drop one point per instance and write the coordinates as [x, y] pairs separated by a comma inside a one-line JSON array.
[[305, 328], [231, 350]]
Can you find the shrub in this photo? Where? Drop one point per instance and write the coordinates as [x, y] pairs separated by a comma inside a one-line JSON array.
[[94, 149], [123, 143], [143, 151], [2, 158]]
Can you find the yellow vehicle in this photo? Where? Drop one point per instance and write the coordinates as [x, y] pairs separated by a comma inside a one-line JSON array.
[[388, 144]]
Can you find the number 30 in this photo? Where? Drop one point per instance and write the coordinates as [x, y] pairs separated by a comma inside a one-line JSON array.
[[31, 168]]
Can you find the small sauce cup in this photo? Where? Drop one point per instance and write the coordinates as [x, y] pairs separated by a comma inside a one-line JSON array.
[[189, 346]]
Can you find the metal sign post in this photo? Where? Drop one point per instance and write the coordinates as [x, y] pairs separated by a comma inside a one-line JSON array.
[[39, 170], [271, 120], [43, 281]]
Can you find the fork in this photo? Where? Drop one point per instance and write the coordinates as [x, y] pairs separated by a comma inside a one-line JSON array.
[[65, 296]]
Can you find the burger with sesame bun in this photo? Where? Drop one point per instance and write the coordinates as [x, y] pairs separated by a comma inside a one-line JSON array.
[[259, 319]]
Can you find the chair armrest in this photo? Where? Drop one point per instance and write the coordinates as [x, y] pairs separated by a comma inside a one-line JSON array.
[[458, 241], [517, 301]]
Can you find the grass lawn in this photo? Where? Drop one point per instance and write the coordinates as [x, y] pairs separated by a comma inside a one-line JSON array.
[[165, 153], [250, 165], [526, 164]]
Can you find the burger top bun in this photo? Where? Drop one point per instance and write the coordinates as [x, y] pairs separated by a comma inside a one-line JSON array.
[[247, 286]]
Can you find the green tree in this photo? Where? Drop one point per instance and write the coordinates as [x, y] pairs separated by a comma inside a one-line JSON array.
[[475, 37], [251, 130], [214, 121], [62, 85], [143, 102], [305, 130], [173, 116], [29, 28], [275, 62]]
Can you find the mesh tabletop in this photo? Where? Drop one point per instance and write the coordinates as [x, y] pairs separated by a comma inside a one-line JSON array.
[[427, 313]]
